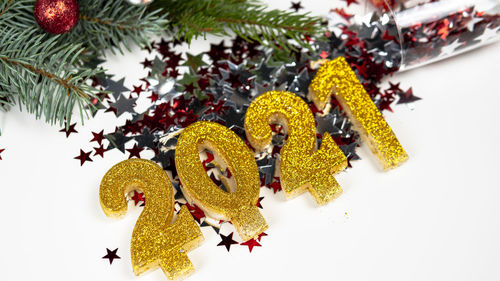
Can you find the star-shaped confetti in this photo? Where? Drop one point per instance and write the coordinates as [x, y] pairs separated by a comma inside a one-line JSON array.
[[261, 235], [123, 105], [227, 241], [135, 151], [111, 255], [98, 137], [138, 197], [407, 97], [117, 140], [83, 157], [147, 63], [251, 243], [99, 151], [116, 87], [69, 130], [296, 6], [146, 139]]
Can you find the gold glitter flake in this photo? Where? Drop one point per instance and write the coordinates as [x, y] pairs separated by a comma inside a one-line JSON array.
[[336, 77], [302, 166], [240, 205], [156, 242]]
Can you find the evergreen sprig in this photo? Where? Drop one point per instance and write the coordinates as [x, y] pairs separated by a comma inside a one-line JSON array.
[[42, 74], [247, 19], [107, 25], [49, 75]]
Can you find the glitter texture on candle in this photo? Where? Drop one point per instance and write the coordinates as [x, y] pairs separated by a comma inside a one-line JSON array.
[[302, 166], [156, 242], [240, 204], [336, 77]]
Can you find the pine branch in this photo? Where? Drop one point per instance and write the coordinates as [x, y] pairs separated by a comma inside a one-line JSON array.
[[47, 74], [107, 24], [40, 75], [247, 19]]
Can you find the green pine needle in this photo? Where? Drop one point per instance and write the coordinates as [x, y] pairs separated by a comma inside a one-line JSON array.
[[247, 19]]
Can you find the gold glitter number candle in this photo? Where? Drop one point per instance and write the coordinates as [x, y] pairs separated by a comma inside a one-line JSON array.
[[302, 166], [336, 77], [155, 240], [240, 204]]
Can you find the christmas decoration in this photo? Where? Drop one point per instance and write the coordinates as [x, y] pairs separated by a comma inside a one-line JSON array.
[[55, 76], [336, 78], [247, 19], [220, 84], [155, 240], [240, 204], [302, 167], [56, 16], [50, 76]]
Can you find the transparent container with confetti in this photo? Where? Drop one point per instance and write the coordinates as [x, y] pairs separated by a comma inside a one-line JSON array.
[[408, 34]]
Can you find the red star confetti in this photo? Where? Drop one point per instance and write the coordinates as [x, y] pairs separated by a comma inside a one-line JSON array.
[[196, 212], [135, 151], [69, 130], [83, 157], [251, 243], [147, 63], [111, 255], [261, 235], [98, 137], [276, 185], [154, 97], [138, 197], [137, 90], [100, 151], [1, 150]]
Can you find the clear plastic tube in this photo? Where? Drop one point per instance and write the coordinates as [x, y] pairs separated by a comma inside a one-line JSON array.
[[429, 31]]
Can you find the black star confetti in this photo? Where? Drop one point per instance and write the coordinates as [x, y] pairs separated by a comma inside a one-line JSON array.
[[111, 255], [296, 6], [227, 241]]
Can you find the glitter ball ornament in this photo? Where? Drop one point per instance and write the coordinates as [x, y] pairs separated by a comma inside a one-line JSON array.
[[56, 16]]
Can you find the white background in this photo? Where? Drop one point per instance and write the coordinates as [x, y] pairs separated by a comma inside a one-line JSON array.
[[437, 217]]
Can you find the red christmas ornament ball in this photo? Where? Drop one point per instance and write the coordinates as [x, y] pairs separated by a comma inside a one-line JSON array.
[[56, 16]]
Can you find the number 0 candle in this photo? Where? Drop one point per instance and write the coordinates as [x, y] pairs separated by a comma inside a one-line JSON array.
[[240, 204]]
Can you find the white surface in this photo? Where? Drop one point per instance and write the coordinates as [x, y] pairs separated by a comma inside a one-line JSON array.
[[435, 218]]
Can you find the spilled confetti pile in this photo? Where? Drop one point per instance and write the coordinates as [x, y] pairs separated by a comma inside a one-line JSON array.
[[219, 85]]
